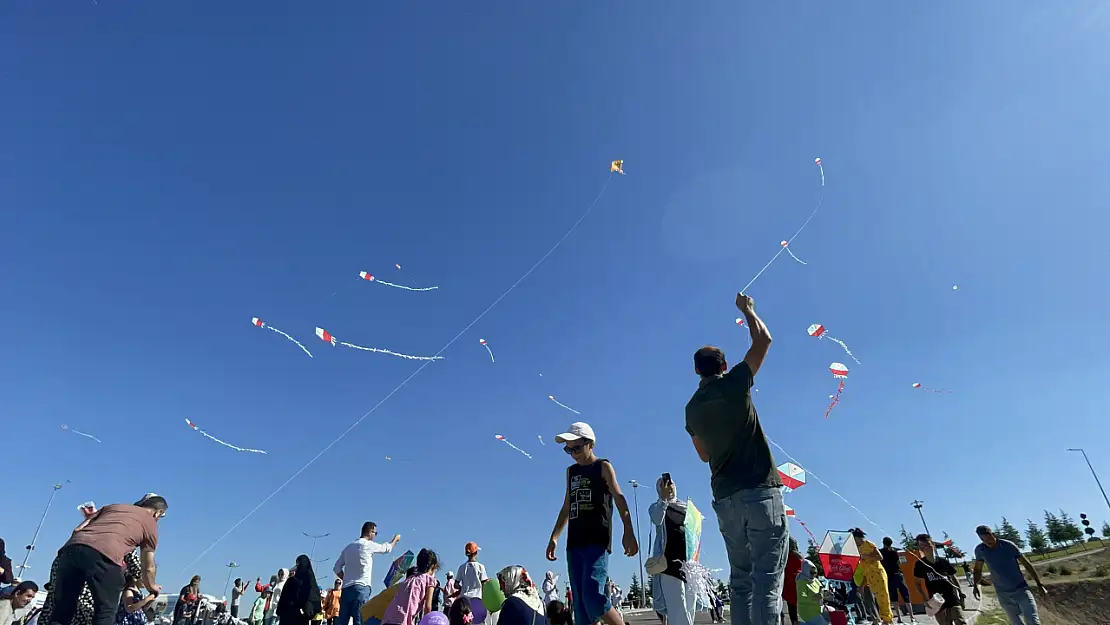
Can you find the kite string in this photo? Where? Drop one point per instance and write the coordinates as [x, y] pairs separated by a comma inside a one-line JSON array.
[[820, 201], [822, 482], [390, 394]]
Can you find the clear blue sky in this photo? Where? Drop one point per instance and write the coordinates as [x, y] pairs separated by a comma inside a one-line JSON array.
[[169, 170]]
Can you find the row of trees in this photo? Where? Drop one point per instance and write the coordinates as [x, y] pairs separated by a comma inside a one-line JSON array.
[[1060, 530]]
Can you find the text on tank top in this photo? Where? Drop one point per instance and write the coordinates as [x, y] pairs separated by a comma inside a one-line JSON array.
[[591, 507]]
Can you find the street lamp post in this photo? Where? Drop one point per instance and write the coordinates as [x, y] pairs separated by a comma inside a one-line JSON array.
[[231, 566], [1095, 475], [34, 539], [640, 552], [918, 505], [314, 539]]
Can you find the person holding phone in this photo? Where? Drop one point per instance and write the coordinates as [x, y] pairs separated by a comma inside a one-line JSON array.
[[668, 514]]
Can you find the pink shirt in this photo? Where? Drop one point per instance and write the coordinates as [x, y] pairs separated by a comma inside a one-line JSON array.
[[409, 600]]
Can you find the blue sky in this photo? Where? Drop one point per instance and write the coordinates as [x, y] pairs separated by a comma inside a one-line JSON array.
[[170, 170]]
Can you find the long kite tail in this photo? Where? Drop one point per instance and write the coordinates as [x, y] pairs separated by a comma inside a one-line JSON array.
[[562, 405], [389, 352], [303, 348], [80, 433], [848, 351], [835, 400], [491, 358], [528, 455], [407, 288], [224, 443], [795, 257]]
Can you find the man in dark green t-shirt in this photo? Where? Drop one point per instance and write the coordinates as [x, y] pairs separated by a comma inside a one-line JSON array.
[[722, 421]]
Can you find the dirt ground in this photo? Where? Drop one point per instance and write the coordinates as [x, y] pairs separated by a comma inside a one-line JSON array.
[[1078, 602]]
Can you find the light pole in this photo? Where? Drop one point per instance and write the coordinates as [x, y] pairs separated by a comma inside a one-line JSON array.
[[1093, 474], [231, 566], [314, 539], [920, 504], [34, 539], [640, 552]]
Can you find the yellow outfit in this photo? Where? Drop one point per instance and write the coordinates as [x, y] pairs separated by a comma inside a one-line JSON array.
[[874, 575]]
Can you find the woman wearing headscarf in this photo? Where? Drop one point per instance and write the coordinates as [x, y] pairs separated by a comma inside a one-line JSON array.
[[523, 605], [272, 616], [550, 587], [300, 595], [809, 595], [6, 575], [668, 514]]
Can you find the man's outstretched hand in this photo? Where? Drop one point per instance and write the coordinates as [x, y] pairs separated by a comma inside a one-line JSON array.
[[745, 303]]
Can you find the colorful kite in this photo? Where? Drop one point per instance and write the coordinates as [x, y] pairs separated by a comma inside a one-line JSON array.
[[80, 433], [484, 344], [326, 337], [789, 511], [819, 166], [793, 477], [786, 246], [931, 390], [397, 570], [213, 438], [617, 167], [370, 278], [817, 330], [262, 324], [692, 524], [839, 556], [504, 440], [562, 405], [840, 372]]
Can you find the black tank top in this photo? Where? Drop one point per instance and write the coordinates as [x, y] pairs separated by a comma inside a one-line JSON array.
[[591, 507]]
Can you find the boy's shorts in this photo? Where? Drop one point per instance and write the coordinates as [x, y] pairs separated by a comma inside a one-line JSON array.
[[589, 570]]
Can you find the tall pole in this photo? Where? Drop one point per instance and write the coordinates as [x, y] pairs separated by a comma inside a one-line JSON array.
[[35, 538], [640, 552], [231, 566], [920, 504], [1095, 475], [314, 539]]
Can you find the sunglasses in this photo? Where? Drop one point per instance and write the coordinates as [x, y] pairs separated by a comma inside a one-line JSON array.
[[574, 449]]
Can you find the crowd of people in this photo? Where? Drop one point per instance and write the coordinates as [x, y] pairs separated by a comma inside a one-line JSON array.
[[97, 579]]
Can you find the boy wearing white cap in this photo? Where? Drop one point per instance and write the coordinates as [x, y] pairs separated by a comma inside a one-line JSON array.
[[592, 489]]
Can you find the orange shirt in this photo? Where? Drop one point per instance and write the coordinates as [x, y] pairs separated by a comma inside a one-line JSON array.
[[331, 603]]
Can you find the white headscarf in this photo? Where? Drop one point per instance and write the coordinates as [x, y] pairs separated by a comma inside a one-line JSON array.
[[517, 584], [659, 484]]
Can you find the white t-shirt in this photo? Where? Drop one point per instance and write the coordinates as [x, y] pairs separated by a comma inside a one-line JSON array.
[[6, 612], [356, 561], [470, 577]]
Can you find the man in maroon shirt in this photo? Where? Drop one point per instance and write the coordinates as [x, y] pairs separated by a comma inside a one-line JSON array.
[[95, 555]]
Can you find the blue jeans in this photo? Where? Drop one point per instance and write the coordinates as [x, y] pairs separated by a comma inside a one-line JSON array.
[[589, 570], [753, 524], [1018, 604], [351, 602]]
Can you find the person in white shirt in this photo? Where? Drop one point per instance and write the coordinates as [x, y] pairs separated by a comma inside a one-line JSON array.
[[472, 574], [21, 597], [355, 567]]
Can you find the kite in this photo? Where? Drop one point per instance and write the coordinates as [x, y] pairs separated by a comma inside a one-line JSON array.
[[692, 525], [562, 405], [789, 511], [262, 324], [740, 321], [617, 167], [484, 344], [504, 440], [370, 278], [840, 372], [390, 458], [786, 246], [817, 330], [326, 337], [931, 390], [213, 438], [793, 477], [396, 572], [88, 509], [839, 556], [955, 287], [397, 265], [80, 433], [541, 440]]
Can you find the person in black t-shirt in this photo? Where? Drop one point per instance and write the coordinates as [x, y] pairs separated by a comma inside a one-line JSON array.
[[590, 493], [938, 577], [895, 580]]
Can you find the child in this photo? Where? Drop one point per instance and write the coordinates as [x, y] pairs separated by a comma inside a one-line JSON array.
[[591, 490], [472, 574], [258, 610], [459, 613], [557, 613], [414, 597]]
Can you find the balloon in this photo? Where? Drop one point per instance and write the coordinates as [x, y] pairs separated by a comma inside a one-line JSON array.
[[434, 618], [478, 610], [492, 597]]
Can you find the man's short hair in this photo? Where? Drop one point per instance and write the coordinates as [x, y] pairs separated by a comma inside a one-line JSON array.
[[25, 586], [983, 529], [368, 527], [153, 502], [887, 540], [924, 538], [708, 361]]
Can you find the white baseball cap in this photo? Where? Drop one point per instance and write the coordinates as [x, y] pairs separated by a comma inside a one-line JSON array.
[[577, 431]]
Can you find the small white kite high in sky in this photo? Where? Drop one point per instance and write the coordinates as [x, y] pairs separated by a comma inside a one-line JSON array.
[[262, 324], [562, 405], [225, 444], [369, 277], [327, 337]]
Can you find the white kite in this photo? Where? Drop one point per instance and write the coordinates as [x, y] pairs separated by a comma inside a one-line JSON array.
[[562, 405], [80, 433], [486, 345], [225, 444], [504, 440], [818, 331], [262, 324], [326, 337], [370, 278], [786, 246]]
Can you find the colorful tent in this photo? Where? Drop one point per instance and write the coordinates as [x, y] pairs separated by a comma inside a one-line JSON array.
[[839, 556]]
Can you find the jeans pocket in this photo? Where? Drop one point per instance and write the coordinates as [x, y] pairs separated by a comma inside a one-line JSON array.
[[766, 513]]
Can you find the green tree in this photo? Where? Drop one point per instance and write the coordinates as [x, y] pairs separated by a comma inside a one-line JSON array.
[[908, 542], [722, 590], [1053, 529], [813, 554], [1105, 529], [634, 590], [1070, 530], [951, 551], [647, 590], [1010, 533], [1038, 541]]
